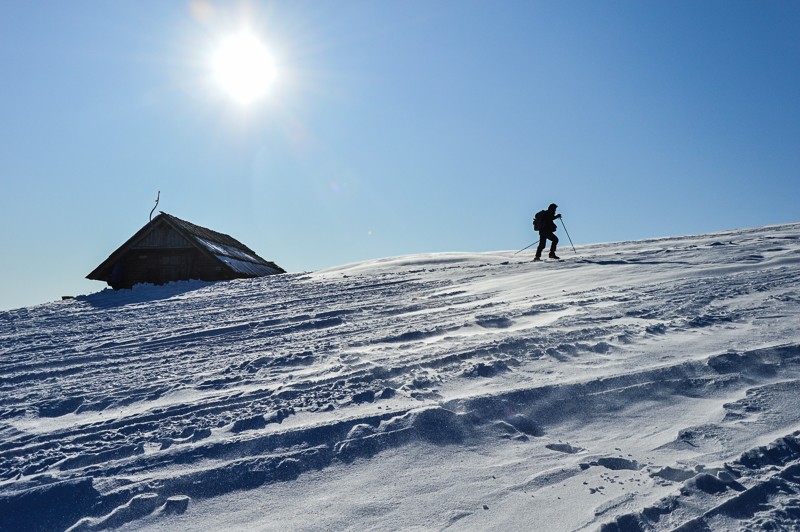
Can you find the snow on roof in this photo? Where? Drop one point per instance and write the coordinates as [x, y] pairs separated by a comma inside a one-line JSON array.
[[248, 267], [227, 249]]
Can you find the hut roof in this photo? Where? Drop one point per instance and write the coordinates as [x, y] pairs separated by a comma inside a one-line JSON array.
[[229, 252]]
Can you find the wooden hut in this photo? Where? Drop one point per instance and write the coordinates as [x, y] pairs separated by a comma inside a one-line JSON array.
[[170, 249]]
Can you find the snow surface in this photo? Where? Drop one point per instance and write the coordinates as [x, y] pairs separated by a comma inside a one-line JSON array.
[[643, 385]]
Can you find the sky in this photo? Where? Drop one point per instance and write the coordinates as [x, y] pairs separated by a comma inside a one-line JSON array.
[[388, 128]]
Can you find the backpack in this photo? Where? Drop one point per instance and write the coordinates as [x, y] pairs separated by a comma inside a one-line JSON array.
[[538, 220]]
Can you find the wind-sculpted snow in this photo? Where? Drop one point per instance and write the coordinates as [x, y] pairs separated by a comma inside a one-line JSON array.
[[635, 386]]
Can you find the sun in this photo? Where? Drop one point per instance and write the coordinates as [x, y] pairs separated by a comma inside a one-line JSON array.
[[244, 68]]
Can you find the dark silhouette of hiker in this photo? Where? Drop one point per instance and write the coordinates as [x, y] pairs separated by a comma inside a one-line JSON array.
[[545, 223]]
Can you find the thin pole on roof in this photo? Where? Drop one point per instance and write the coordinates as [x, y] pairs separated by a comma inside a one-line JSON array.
[[158, 197]]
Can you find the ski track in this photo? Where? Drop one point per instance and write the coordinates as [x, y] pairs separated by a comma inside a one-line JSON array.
[[119, 406]]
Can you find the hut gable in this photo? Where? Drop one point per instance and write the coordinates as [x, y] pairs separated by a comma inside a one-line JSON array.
[[170, 249]]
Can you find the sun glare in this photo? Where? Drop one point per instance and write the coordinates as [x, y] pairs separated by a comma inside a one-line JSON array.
[[244, 68]]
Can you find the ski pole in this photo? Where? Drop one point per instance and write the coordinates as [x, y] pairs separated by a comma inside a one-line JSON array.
[[526, 247], [567, 232]]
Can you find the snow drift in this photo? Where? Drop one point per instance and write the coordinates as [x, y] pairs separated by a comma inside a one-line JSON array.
[[647, 385]]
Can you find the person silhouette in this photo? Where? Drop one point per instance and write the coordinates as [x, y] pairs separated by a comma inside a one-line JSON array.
[[545, 223]]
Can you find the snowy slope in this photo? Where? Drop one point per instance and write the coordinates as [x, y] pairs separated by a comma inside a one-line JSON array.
[[639, 385]]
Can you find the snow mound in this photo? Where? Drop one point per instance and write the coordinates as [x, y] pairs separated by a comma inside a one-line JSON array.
[[644, 385]]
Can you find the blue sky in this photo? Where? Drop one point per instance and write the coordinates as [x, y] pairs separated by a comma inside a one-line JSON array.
[[392, 128]]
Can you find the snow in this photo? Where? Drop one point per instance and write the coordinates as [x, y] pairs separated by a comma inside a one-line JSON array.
[[642, 385], [247, 267], [237, 259], [228, 251]]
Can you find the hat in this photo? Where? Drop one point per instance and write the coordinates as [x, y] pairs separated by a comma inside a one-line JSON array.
[[553, 206]]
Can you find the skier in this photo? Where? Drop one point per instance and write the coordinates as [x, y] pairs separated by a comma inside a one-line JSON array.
[[545, 223]]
